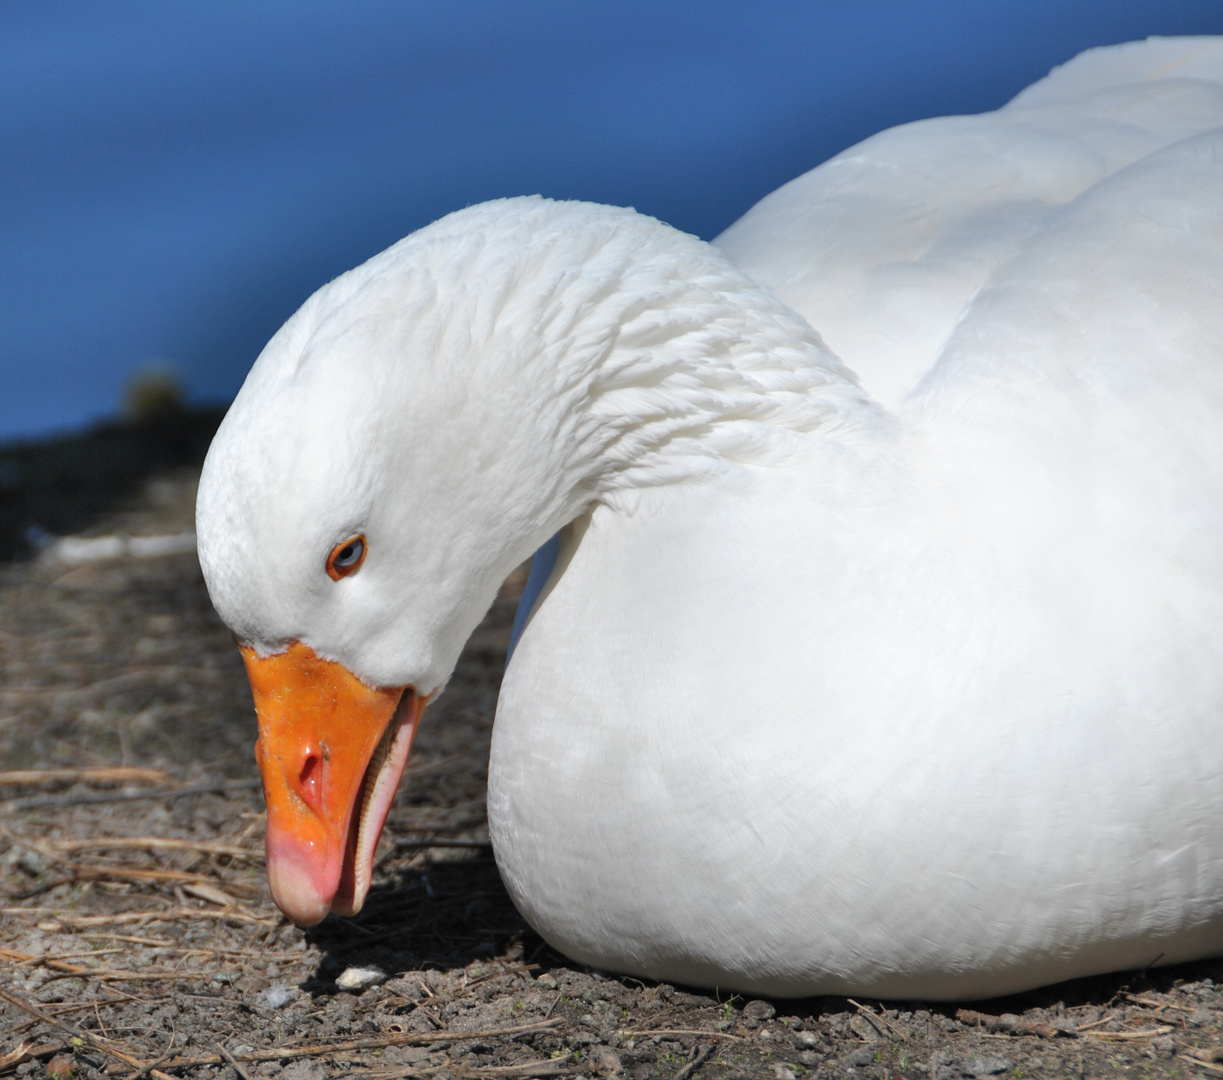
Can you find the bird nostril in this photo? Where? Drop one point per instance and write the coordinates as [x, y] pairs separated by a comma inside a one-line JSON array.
[[308, 779]]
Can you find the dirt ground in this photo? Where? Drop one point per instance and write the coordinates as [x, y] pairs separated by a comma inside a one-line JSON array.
[[137, 937]]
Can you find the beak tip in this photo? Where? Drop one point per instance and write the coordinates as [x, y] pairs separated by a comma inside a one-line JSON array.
[[293, 887]]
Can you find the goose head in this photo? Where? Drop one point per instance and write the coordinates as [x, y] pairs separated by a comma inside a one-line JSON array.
[[418, 428]]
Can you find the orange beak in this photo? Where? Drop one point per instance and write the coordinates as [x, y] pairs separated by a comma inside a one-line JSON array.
[[331, 751]]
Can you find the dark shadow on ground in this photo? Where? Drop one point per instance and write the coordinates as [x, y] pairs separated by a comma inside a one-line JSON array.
[[445, 915], [60, 486]]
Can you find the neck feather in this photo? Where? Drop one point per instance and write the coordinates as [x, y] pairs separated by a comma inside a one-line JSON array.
[[658, 359]]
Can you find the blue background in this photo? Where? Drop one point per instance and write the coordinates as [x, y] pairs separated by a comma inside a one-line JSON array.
[[176, 178]]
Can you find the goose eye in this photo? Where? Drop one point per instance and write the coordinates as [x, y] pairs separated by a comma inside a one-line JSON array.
[[346, 558]]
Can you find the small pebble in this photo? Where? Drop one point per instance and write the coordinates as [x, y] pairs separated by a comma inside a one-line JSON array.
[[60, 1067], [759, 1010], [864, 1055], [604, 1061], [863, 1028], [30, 861], [987, 1065], [356, 979]]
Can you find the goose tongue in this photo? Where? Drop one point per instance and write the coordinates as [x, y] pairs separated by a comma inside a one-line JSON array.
[[331, 751]]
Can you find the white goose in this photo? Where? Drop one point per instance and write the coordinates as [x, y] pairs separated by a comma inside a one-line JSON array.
[[903, 684]]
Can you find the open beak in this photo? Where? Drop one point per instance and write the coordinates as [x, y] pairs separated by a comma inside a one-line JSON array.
[[331, 751]]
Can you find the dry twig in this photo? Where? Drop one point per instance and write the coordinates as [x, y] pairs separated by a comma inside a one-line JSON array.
[[115, 775], [234, 1062], [1095, 1024], [1012, 1026], [1155, 1003], [64, 970], [18, 805], [119, 975], [144, 1070], [151, 843], [695, 1062], [149, 915]]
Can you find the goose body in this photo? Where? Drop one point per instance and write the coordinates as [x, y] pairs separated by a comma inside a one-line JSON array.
[[884, 657]]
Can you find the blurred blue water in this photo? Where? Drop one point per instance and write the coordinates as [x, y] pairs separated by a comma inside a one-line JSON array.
[[175, 179]]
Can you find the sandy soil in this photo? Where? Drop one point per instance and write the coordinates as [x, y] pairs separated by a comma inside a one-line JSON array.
[[137, 937]]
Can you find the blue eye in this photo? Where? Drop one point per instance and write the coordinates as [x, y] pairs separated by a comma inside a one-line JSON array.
[[346, 557]]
